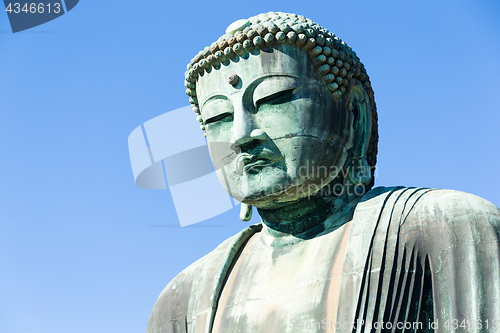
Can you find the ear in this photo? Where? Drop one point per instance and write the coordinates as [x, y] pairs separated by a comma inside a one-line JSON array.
[[358, 102]]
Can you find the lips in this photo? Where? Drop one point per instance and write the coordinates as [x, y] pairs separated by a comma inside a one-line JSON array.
[[256, 166], [255, 162]]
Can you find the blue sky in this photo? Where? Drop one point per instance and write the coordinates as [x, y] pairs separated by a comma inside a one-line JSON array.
[[80, 246]]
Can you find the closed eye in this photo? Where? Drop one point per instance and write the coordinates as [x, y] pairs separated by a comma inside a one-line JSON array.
[[221, 116], [276, 98]]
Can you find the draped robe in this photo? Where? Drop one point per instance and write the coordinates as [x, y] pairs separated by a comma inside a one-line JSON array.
[[419, 259]]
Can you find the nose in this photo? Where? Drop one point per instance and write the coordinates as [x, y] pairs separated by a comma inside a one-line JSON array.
[[256, 136], [245, 132]]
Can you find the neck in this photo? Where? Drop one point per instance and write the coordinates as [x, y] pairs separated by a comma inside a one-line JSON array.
[[303, 218]]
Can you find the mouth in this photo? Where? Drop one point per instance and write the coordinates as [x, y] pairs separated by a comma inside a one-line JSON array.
[[256, 166], [254, 163]]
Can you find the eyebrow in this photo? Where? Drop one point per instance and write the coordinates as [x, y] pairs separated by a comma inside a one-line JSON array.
[[212, 97], [263, 77]]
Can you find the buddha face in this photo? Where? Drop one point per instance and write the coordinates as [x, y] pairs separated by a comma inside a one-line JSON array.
[[274, 132]]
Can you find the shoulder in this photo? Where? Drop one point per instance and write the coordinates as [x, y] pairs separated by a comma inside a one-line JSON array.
[[214, 259], [433, 217], [193, 288], [449, 207], [447, 218], [433, 223]]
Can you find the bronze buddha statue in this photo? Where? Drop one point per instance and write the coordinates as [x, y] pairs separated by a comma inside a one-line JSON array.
[[291, 124]]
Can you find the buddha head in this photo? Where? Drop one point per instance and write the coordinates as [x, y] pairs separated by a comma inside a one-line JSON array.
[[287, 109]]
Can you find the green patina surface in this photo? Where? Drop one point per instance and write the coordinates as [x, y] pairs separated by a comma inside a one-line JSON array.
[[331, 254]]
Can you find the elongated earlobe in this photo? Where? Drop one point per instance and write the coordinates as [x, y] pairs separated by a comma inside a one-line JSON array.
[[245, 212], [359, 170]]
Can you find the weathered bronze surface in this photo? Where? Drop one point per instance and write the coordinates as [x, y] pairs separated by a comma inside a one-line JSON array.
[[297, 140]]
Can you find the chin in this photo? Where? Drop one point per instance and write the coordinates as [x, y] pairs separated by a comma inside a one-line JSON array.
[[289, 193], [262, 189]]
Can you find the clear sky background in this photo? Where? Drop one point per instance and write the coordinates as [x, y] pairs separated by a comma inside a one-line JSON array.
[[83, 249]]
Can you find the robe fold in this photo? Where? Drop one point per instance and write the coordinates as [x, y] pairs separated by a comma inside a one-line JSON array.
[[417, 260]]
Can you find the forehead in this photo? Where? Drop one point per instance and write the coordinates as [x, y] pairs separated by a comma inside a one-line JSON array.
[[277, 60]]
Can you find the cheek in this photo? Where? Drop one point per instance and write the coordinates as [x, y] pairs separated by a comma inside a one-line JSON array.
[[290, 119], [309, 158], [326, 119], [219, 131]]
